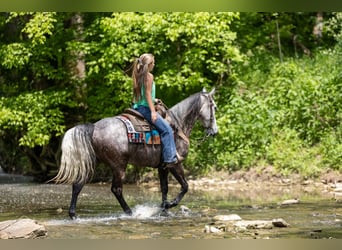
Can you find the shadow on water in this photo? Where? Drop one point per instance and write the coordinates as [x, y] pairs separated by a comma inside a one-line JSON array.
[[101, 217]]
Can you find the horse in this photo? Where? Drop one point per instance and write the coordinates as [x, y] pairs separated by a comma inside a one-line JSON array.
[[85, 145]]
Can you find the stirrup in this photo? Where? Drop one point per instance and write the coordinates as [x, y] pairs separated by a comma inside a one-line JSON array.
[[179, 157], [166, 165], [171, 164]]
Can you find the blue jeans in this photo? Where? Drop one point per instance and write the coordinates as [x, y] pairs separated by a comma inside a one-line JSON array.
[[166, 134]]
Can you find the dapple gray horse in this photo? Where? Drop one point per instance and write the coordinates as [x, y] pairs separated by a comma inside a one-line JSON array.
[[106, 141]]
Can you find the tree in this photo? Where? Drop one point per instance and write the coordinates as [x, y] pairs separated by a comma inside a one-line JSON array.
[[61, 69], [34, 88], [192, 50]]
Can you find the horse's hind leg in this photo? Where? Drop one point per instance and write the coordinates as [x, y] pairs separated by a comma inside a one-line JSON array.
[[76, 189], [117, 191]]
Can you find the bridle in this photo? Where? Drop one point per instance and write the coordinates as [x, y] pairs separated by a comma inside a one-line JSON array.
[[211, 119], [175, 123]]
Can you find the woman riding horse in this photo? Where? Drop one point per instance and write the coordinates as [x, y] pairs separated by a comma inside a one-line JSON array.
[[85, 145], [144, 95]]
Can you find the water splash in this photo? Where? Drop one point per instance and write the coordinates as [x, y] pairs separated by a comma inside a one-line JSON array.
[[140, 212], [146, 211]]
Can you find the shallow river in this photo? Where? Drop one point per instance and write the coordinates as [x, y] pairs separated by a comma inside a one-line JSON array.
[[317, 215]]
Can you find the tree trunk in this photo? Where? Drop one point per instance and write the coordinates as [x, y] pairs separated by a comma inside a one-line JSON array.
[[77, 64], [318, 28]]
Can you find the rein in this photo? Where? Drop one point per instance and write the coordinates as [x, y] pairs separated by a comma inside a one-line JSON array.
[[170, 117], [201, 140], [175, 123]]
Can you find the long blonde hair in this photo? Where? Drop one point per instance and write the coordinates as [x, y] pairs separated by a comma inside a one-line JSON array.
[[139, 75]]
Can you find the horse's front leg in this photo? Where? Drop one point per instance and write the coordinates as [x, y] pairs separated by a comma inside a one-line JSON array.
[[178, 172], [163, 175]]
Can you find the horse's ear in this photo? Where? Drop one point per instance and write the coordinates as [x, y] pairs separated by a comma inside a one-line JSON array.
[[212, 92], [204, 90]]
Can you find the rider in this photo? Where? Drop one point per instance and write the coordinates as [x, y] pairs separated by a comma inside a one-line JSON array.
[[143, 101]]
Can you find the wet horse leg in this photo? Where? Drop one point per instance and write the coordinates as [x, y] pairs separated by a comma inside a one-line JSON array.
[[163, 174], [76, 189], [178, 172], [117, 191]]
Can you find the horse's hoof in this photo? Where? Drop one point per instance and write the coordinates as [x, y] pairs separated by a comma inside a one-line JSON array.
[[164, 213], [128, 212], [73, 216], [165, 205]]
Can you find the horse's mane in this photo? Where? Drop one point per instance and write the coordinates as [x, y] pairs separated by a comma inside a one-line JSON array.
[[186, 111], [192, 99]]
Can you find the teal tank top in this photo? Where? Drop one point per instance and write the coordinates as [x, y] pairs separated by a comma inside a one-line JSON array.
[[143, 101]]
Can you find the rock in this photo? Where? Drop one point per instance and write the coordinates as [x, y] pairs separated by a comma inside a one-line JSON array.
[[138, 237], [184, 209], [280, 223], [261, 224], [242, 225], [21, 229], [290, 202], [338, 189], [337, 185], [337, 196], [229, 217], [254, 224], [211, 229]]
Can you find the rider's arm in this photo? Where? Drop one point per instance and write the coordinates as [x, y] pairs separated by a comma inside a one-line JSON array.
[[148, 95]]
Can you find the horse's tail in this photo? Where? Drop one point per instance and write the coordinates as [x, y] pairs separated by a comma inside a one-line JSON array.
[[78, 156]]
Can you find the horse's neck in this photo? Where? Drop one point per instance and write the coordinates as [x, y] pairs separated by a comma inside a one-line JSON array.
[[186, 113]]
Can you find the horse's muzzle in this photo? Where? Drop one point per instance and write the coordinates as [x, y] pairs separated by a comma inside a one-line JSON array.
[[211, 131]]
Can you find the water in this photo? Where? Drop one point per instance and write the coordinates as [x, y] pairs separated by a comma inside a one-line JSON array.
[[100, 216], [13, 178]]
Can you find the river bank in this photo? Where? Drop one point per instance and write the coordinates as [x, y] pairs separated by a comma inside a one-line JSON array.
[[258, 182]]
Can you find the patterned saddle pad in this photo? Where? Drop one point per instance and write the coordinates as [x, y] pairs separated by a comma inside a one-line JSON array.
[[138, 129]]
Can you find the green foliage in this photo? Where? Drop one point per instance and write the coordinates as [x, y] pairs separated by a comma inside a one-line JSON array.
[[333, 26], [35, 116], [39, 27], [36, 89], [191, 51], [14, 55], [244, 129], [287, 114], [289, 117], [331, 149], [305, 96], [295, 31], [197, 162], [288, 153]]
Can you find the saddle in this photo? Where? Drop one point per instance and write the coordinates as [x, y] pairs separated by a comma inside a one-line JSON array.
[[139, 123], [139, 130]]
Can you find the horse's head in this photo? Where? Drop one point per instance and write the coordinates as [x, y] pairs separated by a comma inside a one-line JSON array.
[[207, 112]]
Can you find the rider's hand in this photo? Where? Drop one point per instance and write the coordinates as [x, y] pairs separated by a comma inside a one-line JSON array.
[[154, 116]]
